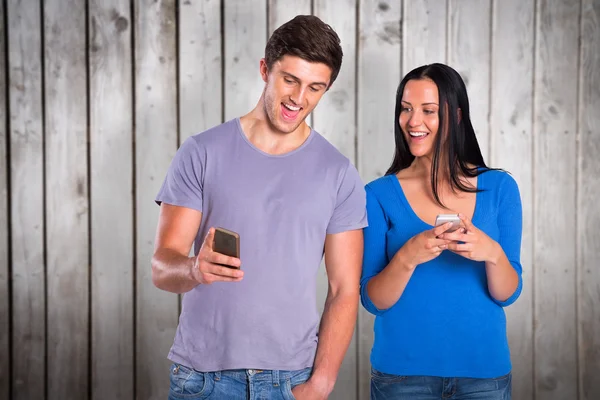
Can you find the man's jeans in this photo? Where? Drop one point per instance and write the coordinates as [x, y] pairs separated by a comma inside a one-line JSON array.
[[241, 384], [386, 386]]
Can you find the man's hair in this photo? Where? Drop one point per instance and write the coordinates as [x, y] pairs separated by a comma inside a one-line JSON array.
[[309, 38]]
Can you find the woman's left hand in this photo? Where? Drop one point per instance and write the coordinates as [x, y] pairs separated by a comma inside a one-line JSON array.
[[476, 246]]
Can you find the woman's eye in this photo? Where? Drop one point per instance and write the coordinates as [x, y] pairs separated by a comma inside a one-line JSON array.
[[404, 109], [429, 111]]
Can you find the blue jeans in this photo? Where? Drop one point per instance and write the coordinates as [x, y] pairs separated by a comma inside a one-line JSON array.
[[386, 386], [240, 384]]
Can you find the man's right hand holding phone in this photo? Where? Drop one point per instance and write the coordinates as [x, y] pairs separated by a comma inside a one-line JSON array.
[[207, 270]]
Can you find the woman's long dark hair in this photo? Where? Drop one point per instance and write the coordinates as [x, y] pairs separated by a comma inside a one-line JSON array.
[[461, 145]]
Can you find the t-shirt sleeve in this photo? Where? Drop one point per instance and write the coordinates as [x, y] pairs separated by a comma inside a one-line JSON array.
[[350, 209], [510, 224], [184, 182]]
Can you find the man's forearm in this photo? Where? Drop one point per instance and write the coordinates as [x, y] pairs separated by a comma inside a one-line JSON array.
[[335, 334], [172, 271]]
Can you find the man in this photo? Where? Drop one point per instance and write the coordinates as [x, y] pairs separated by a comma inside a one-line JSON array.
[[251, 333]]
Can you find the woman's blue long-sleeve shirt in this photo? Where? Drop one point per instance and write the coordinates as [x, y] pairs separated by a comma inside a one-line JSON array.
[[446, 323]]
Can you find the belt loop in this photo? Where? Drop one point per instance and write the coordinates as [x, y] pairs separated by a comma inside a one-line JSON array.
[[275, 375], [217, 375]]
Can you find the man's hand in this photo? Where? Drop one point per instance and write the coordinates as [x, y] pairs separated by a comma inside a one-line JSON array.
[[310, 390], [207, 270]]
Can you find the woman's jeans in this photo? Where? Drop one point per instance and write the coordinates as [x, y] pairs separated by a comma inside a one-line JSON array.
[[386, 386]]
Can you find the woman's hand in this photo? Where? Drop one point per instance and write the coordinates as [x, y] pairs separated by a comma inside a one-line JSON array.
[[471, 242], [425, 246]]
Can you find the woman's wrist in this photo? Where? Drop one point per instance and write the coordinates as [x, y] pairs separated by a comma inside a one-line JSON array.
[[495, 254], [402, 262]]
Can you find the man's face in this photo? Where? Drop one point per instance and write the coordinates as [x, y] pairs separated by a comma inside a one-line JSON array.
[[293, 89]]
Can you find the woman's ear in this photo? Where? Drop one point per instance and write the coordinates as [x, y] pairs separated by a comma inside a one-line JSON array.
[[459, 115]]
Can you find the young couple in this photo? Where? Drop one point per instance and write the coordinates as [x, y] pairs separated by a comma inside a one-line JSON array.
[[254, 332]]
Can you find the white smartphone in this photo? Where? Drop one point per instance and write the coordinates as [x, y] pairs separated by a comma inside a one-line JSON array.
[[441, 219]]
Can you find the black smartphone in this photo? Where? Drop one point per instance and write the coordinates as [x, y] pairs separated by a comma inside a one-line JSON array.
[[227, 242]]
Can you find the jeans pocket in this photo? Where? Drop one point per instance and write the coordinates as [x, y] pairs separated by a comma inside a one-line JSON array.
[[287, 390], [382, 377], [187, 383], [296, 378], [504, 383]]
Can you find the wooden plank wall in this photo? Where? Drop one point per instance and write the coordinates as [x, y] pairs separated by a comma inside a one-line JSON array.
[[97, 95]]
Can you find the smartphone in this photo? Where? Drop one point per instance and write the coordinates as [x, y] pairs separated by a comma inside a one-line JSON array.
[[227, 242], [441, 219]]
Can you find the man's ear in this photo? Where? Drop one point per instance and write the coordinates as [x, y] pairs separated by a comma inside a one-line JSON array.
[[264, 69]]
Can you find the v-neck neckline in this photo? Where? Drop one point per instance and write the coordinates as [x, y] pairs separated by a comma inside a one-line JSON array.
[[402, 196]]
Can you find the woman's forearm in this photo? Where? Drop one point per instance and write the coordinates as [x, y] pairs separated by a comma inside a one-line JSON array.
[[385, 288], [502, 278]]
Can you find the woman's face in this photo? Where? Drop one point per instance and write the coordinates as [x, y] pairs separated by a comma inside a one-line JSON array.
[[419, 117]]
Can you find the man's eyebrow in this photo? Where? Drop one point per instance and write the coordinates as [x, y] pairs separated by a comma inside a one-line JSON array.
[[298, 79]]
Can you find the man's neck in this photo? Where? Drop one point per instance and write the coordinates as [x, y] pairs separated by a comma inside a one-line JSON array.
[[260, 132]]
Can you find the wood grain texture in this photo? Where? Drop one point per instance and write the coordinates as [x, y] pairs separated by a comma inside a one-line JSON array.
[[334, 118], [424, 33], [27, 200], [5, 311], [155, 146], [555, 199], [281, 11], [588, 210], [469, 53], [511, 149], [379, 60], [245, 39], [66, 134], [542, 76], [200, 65], [111, 160]]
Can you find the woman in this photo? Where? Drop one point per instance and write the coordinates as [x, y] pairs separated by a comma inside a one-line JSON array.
[[438, 296]]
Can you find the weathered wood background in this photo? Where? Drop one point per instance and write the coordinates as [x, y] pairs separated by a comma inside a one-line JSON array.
[[96, 96]]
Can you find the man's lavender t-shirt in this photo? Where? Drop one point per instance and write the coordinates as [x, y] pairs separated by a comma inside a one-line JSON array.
[[282, 206]]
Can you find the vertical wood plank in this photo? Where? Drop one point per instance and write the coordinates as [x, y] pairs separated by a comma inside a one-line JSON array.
[[245, 39], [66, 127], [378, 77], [555, 199], [334, 118], [200, 64], [281, 12], [424, 33], [111, 199], [155, 146], [511, 145], [5, 366], [469, 54], [27, 199], [588, 211]]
